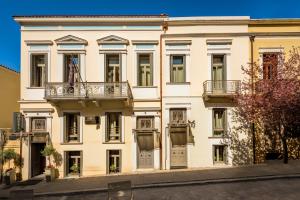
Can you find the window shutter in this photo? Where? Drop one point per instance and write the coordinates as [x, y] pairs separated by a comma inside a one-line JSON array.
[[120, 127], [66, 163], [106, 128], [184, 68], [79, 132], [81, 163], [65, 134]]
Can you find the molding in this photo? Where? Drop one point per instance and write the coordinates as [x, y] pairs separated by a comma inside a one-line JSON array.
[[270, 50], [70, 39], [245, 34], [32, 101], [155, 42], [137, 109], [218, 41], [38, 42], [77, 51], [170, 42], [37, 110], [112, 39], [121, 51]]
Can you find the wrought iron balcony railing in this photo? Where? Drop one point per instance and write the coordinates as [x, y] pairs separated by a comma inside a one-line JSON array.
[[221, 88], [87, 90]]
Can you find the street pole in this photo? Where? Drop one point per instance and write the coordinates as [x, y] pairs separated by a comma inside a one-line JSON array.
[[252, 37]]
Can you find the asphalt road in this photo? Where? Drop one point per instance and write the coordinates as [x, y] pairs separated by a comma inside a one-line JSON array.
[[282, 189]]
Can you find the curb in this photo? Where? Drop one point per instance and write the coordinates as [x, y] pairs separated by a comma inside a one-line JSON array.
[[175, 184]]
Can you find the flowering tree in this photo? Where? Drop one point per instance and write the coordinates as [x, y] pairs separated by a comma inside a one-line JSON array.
[[270, 98]]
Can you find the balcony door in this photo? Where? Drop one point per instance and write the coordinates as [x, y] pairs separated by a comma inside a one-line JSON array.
[[113, 75], [113, 68], [218, 73]]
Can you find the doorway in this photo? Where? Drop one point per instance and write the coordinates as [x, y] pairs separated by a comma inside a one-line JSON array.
[[38, 161]]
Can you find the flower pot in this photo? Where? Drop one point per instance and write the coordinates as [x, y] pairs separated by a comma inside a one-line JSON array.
[[50, 174], [10, 177]]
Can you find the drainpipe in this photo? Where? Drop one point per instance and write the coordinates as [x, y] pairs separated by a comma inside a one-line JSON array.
[[165, 28], [252, 38]]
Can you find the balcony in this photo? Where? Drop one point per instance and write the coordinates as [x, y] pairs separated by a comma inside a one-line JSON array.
[[221, 89], [87, 91]]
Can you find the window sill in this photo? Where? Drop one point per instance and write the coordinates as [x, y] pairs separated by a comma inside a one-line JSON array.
[[184, 83], [35, 88], [71, 143], [144, 87], [113, 142]]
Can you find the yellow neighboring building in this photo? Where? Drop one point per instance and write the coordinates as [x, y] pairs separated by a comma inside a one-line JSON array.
[[10, 95], [270, 38]]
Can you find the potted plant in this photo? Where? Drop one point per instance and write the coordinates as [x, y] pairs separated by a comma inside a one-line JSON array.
[[75, 169], [10, 173], [113, 168], [49, 151]]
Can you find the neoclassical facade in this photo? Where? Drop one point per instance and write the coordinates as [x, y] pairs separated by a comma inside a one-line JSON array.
[[121, 94]]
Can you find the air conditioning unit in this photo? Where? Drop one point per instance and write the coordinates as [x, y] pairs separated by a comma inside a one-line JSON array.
[[92, 120]]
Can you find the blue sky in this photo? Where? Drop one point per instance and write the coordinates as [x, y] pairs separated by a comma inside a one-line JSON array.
[[10, 36]]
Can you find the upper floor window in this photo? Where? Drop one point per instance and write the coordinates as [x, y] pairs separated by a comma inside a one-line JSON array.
[[218, 67], [177, 69], [270, 63], [71, 68], [219, 121], [178, 116], [145, 123], [113, 68], [145, 74], [72, 124], [113, 128], [38, 124], [38, 70]]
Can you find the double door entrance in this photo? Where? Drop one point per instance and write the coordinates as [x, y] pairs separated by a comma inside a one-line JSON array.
[[145, 151], [178, 149]]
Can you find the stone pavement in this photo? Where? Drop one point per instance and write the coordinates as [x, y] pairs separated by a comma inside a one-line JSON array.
[[276, 170]]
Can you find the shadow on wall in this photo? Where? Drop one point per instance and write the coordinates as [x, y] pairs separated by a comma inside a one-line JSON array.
[[240, 146]]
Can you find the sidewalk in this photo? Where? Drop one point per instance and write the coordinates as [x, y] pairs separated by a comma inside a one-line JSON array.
[[273, 170]]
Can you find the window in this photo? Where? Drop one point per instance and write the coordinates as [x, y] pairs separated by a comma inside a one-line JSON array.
[[113, 68], [72, 123], [218, 71], [73, 165], [270, 63], [38, 124], [38, 70], [113, 131], [178, 69], [113, 161], [220, 154], [145, 70], [71, 68], [178, 116], [145, 123], [219, 121]]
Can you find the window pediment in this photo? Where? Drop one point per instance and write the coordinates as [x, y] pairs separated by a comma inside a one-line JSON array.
[[112, 39], [70, 39]]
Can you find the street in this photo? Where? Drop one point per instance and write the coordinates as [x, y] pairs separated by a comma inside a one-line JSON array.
[[264, 190]]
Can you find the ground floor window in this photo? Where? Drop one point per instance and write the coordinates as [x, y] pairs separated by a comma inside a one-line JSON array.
[[73, 163], [220, 154], [113, 161]]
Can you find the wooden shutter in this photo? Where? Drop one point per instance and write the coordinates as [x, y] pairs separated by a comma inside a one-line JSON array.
[[65, 132], [79, 132]]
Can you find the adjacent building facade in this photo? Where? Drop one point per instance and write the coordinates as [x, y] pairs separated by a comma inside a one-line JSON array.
[[120, 94]]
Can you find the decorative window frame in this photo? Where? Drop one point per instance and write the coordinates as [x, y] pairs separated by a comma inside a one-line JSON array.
[[173, 48], [263, 50], [71, 45], [113, 45], [38, 47], [104, 127], [62, 127], [219, 47]]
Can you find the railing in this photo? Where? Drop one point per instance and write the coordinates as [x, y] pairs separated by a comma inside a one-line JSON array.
[[221, 87], [87, 90]]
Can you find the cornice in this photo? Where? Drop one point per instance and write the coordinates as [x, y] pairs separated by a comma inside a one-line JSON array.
[[38, 42]]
